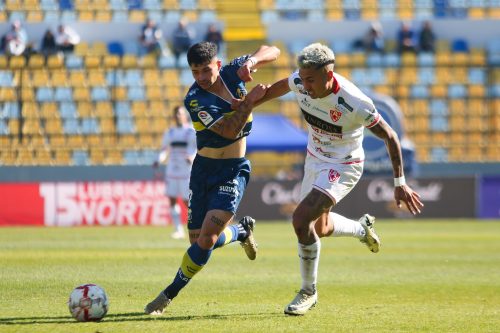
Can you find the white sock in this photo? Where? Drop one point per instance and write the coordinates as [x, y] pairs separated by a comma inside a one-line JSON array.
[[176, 217], [342, 226], [309, 261]]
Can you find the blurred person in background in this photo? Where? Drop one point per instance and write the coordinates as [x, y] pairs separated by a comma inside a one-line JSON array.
[[427, 38], [337, 113], [151, 38], [182, 38], [374, 39], [406, 38], [178, 148], [48, 46], [16, 40], [214, 35], [66, 39], [221, 111]]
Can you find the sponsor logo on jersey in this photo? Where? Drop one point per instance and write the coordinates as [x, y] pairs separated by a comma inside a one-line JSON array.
[[241, 92], [193, 103], [342, 104], [321, 124], [205, 117], [333, 176], [335, 115]]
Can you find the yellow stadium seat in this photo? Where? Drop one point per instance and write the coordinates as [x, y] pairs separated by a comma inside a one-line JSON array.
[[494, 13], [62, 156], [210, 4], [17, 62], [13, 5], [103, 109], [54, 126], [405, 13], [335, 14], [81, 49], [98, 48], [86, 16], [75, 141], [31, 126], [170, 4], [8, 94], [92, 61], [151, 77], [97, 155], [81, 94], [190, 15], [77, 78], [59, 78], [119, 93], [103, 16], [96, 78], [127, 141], [55, 61], [25, 157], [154, 93], [83, 4], [148, 61], [85, 109], [457, 107], [129, 61], [477, 90], [107, 127], [111, 61], [30, 110], [36, 61], [137, 16], [477, 13], [3, 16], [49, 110], [27, 94], [171, 77], [139, 109], [57, 140], [94, 140], [3, 61], [34, 16], [477, 57], [439, 91]]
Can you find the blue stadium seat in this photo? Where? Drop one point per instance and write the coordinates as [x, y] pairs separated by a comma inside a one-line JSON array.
[[99, 94], [17, 16], [426, 59], [68, 16], [426, 75], [9, 110], [71, 126], [149, 156], [90, 126], [131, 47], [352, 14], [123, 109], [209, 16], [116, 48], [392, 60], [151, 4], [49, 5], [419, 91], [438, 107], [457, 91], [66, 5], [73, 61], [134, 4], [133, 77], [172, 16], [459, 45], [132, 157], [118, 5], [6, 79], [188, 4], [439, 154], [374, 60], [51, 17], [439, 124], [68, 110], [186, 77], [80, 157], [125, 126], [166, 61], [120, 16], [63, 94], [44, 94], [440, 7], [495, 90], [477, 76], [4, 128], [136, 94]]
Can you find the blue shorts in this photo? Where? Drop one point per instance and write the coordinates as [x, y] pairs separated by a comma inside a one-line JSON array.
[[216, 184]]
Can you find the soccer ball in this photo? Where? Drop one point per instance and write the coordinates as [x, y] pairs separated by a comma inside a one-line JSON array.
[[88, 302]]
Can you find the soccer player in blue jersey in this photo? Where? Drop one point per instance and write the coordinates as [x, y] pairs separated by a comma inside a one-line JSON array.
[[220, 109]]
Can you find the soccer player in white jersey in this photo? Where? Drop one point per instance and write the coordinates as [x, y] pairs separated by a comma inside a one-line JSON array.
[[336, 112], [179, 149]]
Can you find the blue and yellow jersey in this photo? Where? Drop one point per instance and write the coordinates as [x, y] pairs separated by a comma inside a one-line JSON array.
[[206, 108]]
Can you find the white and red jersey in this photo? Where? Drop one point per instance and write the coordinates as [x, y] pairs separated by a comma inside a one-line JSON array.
[[336, 122], [180, 145]]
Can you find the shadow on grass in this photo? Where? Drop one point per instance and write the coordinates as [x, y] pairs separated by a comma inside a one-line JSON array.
[[124, 317]]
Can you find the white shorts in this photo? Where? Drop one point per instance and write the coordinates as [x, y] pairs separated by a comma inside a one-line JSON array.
[[177, 187], [335, 180]]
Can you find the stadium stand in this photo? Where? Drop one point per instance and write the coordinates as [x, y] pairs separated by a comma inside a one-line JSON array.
[[106, 104]]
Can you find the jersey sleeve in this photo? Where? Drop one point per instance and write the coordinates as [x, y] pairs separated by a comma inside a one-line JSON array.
[[367, 114], [294, 82], [236, 63], [202, 116]]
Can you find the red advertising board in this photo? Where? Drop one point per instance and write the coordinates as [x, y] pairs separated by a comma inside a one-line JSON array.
[[84, 203]]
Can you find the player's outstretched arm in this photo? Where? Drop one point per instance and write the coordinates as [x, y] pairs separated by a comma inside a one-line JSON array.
[[402, 192], [265, 54], [231, 127], [276, 90]]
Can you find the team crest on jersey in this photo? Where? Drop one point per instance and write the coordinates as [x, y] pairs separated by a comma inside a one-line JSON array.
[[205, 117], [335, 115], [333, 176], [193, 103]]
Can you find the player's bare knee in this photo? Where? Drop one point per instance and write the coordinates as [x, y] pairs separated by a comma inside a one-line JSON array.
[[206, 242]]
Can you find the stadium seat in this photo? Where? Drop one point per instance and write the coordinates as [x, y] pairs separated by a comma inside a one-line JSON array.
[[116, 48]]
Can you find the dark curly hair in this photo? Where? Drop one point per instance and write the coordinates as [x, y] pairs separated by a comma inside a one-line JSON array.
[[201, 53]]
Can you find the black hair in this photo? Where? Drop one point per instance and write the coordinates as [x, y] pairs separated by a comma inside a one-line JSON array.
[[201, 53]]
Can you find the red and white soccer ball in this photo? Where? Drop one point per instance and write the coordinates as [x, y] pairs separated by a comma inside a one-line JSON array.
[[88, 302]]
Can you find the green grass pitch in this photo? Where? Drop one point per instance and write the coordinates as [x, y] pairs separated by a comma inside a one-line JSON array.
[[430, 276]]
